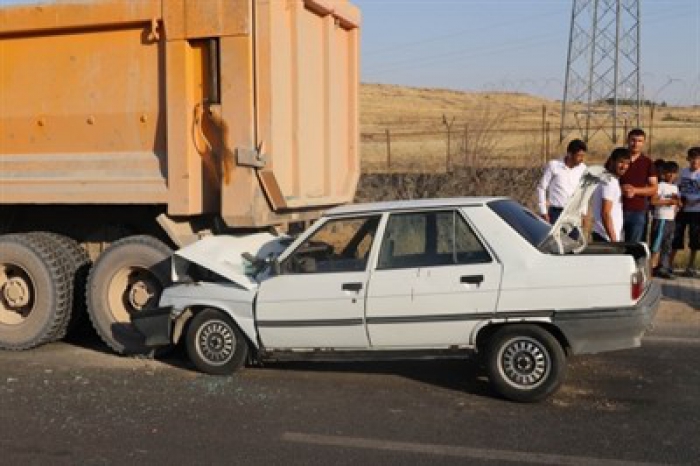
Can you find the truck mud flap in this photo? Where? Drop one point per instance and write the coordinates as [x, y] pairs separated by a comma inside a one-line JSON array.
[[155, 325]]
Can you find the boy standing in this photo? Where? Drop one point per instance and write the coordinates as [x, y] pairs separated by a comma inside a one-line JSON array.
[[607, 199], [666, 202], [689, 217]]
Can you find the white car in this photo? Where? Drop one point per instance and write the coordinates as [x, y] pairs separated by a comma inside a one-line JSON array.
[[410, 279]]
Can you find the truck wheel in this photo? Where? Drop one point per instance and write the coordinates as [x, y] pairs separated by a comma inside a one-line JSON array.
[[77, 263], [215, 344], [127, 278], [525, 363], [35, 292]]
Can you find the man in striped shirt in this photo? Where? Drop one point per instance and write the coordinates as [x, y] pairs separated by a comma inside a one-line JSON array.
[[560, 180]]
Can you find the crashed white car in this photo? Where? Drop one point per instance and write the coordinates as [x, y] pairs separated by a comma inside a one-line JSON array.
[[412, 279]]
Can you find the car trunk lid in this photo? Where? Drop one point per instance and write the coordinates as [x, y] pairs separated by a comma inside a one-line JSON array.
[[567, 235]]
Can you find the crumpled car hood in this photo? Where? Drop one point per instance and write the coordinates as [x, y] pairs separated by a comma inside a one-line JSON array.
[[223, 256]]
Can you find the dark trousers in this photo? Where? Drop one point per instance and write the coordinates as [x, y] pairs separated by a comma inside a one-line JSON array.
[[635, 225], [598, 238], [554, 213]]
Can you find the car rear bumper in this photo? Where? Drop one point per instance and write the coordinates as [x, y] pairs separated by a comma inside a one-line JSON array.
[[599, 330], [156, 325]]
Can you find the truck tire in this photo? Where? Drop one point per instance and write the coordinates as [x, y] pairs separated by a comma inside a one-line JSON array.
[[77, 262], [127, 277], [215, 344], [35, 292], [525, 363]]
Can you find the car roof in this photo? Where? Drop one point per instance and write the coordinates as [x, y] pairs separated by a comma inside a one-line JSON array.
[[413, 204]]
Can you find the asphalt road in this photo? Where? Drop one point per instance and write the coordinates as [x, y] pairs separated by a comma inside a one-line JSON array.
[[68, 404]]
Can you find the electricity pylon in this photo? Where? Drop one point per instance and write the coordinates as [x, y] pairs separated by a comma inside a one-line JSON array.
[[602, 85]]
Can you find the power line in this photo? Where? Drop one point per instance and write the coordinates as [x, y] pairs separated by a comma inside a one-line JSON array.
[[417, 62], [465, 53], [450, 35]]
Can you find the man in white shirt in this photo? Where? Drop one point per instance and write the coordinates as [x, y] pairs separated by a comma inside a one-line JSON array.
[[559, 181]]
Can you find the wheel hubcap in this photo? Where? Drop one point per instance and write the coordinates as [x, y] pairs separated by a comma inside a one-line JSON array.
[[524, 363], [216, 342], [16, 294]]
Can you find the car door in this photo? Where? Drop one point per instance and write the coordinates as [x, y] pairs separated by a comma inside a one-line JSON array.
[[434, 280], [318, 298]]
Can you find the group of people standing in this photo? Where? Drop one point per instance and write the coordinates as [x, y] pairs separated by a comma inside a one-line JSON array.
[[638, 189]]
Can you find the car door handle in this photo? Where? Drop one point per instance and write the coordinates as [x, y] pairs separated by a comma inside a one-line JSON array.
[[471, 279], [351, 286]]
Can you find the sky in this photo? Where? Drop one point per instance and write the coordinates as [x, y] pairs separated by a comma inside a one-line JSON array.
[[517, 45], [514, 45]]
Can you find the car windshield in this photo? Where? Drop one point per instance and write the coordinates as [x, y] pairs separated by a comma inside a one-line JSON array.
[[521, 219]]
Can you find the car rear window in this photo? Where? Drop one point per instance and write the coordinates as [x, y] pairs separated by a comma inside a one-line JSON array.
[[521, 219]]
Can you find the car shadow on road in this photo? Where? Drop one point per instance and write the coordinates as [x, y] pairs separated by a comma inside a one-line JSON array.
[[459, 375], [463, 375]]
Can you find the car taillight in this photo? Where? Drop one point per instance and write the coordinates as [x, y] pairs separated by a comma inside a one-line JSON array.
[[637, 284]]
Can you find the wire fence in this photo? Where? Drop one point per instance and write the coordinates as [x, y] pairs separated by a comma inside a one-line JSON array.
[[462, 145]]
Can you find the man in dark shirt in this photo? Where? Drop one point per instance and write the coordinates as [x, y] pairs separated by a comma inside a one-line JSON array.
[[639, 184]]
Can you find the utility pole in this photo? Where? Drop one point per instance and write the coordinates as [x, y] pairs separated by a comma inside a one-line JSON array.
[[602, 84]]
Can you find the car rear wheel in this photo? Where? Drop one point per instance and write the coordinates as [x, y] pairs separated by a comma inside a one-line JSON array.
[[215, 344], [525, 363]]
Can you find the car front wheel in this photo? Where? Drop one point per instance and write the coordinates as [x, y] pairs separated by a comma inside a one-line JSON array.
[[525, 363], [215, 344]]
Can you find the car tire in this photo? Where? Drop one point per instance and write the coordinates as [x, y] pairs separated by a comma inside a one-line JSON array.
[[215, 344], [525, 363]]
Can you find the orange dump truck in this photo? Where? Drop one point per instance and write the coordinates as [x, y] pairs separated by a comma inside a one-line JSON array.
[[129, 128]]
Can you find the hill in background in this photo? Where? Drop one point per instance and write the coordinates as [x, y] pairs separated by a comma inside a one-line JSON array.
[[486, 128]]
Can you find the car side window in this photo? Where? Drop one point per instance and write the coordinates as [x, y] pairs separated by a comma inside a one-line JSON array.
[[467, 247], [341, 245], [428, 239]]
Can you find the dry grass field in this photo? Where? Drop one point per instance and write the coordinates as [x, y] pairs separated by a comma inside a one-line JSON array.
[[489, 130], [498, 142]]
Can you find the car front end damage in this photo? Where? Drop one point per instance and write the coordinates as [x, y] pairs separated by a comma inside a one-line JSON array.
[[213, 273], [164, 325]]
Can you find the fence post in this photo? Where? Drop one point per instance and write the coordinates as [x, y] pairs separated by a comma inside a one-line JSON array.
[[447, 158], [546, 150], [651, 126], [466, 146], [544, 133], [448, 125], [388, 150]]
